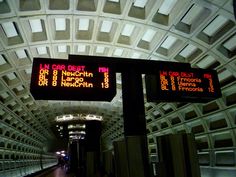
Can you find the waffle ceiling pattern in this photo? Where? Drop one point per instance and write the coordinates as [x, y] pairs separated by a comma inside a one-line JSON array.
[[200, 32]]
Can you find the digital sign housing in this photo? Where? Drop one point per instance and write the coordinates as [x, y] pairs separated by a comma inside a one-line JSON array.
[[57, 79], [183, 85]]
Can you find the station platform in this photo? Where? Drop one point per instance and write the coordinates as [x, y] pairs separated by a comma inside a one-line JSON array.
[[55, 172]]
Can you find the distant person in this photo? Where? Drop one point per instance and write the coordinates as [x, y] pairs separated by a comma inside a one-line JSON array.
[[61, 162]]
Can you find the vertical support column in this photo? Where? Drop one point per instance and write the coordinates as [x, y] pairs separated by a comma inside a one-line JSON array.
[[73, 156], [177, 156], [135, 124], [92, 138]]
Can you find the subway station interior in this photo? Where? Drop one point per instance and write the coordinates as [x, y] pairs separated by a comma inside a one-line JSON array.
[[34, 133]]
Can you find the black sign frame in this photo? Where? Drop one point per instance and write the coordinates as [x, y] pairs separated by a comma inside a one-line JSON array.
[[201, 95], [70, 92]]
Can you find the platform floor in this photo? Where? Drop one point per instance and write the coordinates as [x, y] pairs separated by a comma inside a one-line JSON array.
[[57, 172]]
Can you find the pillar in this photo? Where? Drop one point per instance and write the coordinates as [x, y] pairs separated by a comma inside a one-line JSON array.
[[135, 124]]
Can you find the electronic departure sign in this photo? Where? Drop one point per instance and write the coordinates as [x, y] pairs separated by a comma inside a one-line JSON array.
[[57, 79], [183, 85]]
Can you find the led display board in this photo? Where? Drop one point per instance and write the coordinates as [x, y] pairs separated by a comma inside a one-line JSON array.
[[183, 85], [57, 79]]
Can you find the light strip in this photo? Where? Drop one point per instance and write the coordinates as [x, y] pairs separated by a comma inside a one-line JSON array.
[[83, 24], [167, 6], [216, 25], [170, 40], [60, 24], [9, 29], [36, 25], [148, 36], [21, 54], [127, 30], [106, 26]]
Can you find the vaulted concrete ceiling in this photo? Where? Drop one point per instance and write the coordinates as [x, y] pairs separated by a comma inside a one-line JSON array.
[[200, 32]]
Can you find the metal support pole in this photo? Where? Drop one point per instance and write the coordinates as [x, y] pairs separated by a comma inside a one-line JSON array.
[[135, 124]]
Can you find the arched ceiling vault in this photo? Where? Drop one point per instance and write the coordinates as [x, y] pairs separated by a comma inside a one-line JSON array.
[[200, 32]]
